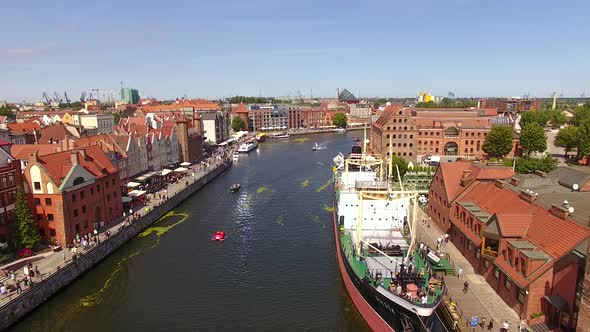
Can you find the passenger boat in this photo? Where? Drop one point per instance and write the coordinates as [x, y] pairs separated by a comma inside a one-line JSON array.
[[248, 146], [261, 137], [236, 156], [282, 136], [316, 147], [389, 278], [234, 187]]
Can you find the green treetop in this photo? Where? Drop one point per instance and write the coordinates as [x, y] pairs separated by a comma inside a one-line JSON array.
[[533, 139], [237, 123], [25, 230], [340, 120], [567, 138], [498, 142]]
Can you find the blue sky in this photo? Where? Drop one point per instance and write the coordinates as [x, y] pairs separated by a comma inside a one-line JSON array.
[[211, 49]]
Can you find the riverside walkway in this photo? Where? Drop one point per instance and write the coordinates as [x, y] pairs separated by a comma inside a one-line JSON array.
[[481, 299], [49, 263]]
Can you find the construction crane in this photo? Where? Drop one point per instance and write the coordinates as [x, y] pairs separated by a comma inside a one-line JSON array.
[[83, 97], [451, 95], [46, 98], [66, 98]]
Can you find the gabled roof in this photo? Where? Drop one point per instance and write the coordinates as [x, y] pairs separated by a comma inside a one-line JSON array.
[[26, 127], [24, 151], [567, 176], [58, 165], [555, 236], [53, 133]]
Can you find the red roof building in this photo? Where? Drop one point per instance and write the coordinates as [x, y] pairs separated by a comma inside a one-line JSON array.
[[74, 192], [525, 251]]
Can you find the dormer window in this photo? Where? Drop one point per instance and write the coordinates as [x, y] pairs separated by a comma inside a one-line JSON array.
[[78, 180], [510, 256], [523, 266]]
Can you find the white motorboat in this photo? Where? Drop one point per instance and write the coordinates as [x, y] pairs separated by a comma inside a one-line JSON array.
[[248, 146]]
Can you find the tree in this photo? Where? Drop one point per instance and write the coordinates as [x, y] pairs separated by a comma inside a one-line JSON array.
[[339, 120], [557, 118], [582, 113], [533, 139], [567, 138], [498, 142], [540, 117], [237, 123], [401, 164], [529, 164], [584, 138], [26, 233]]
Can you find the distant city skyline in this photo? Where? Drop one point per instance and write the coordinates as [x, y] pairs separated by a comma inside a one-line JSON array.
[[273, 48]]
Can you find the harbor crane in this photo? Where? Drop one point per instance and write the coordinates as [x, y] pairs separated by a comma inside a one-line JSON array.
[[67, 99], [46, 98], [56, 97], [451, 95]]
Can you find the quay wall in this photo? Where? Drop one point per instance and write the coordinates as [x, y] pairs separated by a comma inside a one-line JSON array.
[[13, 311]]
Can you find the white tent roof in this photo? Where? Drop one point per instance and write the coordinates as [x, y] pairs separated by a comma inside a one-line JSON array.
[[181, 169], [132, 184], [136, 193], [166, 172], [186, 163]]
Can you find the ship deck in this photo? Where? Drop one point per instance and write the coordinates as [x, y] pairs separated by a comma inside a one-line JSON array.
[[373, 262]]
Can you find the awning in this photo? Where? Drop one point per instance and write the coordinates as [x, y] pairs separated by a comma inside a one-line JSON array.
[[185, 163], [166, 172], [181, 169], [558, 302], [136, 193], [126, 199], [133, 184]]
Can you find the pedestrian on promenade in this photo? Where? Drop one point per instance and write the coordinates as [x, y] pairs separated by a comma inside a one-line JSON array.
[[460, 272], [18, 288], [465, 286], [63, 254], [491, 325], [482, 323], [505, 326], [37, 271], [3, 289]]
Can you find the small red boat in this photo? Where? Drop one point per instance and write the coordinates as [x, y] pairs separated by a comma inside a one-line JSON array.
[[218, 236]]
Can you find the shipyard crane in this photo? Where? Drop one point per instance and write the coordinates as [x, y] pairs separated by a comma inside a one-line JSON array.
[[56, 98], [46, 97], [451, 95], [83, 97], [66, 98]]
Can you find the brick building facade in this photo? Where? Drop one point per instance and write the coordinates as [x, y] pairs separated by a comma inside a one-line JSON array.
[[10, 179], [510, 105], [74, 192], [525, 251], [451, 133]]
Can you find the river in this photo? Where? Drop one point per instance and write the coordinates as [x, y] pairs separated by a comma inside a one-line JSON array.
[[276, 270]]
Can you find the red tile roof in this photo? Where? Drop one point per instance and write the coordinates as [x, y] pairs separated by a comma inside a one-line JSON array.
[[26, 127], [53, 133], [241, 108], [24, 151], [555, 236], [58, 165], [452, 174]]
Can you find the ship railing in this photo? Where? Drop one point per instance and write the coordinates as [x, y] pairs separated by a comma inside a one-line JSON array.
[[371, 185]]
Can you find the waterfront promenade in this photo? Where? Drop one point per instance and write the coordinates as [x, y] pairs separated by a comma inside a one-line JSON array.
[[49, 263], [480, 300]]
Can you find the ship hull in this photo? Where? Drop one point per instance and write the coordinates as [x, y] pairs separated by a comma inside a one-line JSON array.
[[380, 312]]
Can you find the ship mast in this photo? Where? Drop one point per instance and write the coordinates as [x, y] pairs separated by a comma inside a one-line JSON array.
[[413, 227], [359, 226], [390, 166]]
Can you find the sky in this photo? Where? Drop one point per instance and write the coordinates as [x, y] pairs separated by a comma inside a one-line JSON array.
[[213, 49]]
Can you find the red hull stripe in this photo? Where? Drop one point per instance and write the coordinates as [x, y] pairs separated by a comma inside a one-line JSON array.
[[375, 322]]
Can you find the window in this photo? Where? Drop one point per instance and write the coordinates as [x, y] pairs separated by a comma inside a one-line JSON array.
[[50, 216], [521, 295], [51, 232], [497, 273], [48, 201], [486, 263], [73, 197], [523, 263], [91, 190], [78, 180], [39, 217], [75, 212], [507, 283], [470, 245], [97, 189], [108, 197], [82, 194], [477, 254], [510, 256], [106, 184], [37, 185], [37, 201]]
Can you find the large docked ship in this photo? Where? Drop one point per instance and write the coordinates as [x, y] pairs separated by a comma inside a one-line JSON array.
[[387, 274]]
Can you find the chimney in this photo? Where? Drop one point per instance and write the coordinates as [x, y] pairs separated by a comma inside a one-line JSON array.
[[528, 195], [560, 211], [540, 173], [74, 157], [499, 183], [466, 173], [514, 181]]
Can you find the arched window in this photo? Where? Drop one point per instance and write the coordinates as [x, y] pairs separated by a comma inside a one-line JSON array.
[[78, 180], [400, 112], [411, 136], [451, 149], [405, 136], [394, 136], [452, 132]]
